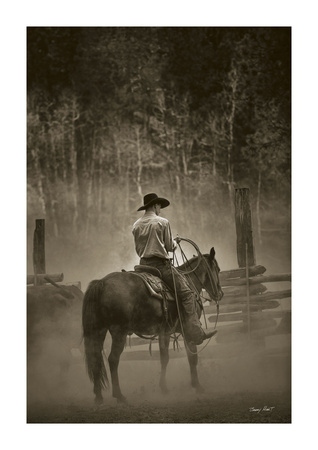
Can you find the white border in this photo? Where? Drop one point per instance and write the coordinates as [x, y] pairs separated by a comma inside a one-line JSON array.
[[15, 18]]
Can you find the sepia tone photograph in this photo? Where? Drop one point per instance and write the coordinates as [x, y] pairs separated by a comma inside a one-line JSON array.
[[158, 225]]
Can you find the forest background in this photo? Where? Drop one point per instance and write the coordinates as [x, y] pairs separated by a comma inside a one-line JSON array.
[[190, 113]]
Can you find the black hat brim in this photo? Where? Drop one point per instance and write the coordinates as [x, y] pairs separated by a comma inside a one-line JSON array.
[[162, 201]]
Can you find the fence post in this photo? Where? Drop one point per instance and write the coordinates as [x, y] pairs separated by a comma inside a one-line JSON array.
[[244, 231], [248, 294], [39, 250]]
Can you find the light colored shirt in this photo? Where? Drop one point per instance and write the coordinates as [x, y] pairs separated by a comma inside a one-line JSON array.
[[153, 236]]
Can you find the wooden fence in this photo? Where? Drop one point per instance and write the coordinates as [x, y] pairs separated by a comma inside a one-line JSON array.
[[251, 306], [248, 307]]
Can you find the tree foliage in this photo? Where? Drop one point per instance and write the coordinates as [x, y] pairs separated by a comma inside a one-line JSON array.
[[190, 113]]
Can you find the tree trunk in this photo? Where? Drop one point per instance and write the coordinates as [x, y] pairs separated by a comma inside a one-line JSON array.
[[139, 162], [118, 155], [50, 161], [39, 177], [258, 215], [213, 131], [184, 160], [231, 117], [74, 175], [89, 191], [63, 159], [127, 188], [54, 154], [100, 186]]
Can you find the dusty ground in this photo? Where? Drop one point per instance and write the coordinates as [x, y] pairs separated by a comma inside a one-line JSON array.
[[244, 407], [243, 384]]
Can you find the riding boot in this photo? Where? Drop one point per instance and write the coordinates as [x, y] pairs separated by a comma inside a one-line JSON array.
[[192, 327]]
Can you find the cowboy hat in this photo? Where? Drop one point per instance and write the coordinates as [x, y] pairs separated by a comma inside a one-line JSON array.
[[152, 199]]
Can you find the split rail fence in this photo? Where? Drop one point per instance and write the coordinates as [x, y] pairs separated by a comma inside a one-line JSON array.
[[248, 306]]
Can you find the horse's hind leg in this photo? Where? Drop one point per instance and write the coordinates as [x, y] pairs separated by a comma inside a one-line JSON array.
[[164, 340], [118, 344], [93, 343], [99, 374], [193, 361]]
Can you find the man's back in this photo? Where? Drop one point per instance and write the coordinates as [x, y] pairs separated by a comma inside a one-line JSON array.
[[153, 237]]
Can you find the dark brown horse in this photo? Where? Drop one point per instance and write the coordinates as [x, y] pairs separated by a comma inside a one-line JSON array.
[[121, 304]]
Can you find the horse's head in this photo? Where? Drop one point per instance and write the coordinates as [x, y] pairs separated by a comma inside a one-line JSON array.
[[211, 279]]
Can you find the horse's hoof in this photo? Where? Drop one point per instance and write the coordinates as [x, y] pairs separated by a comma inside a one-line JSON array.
[[122, 400], [199, 389], [98, 400], [164, 390]]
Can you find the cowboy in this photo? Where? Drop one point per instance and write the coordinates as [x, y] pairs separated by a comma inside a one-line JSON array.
[[153, 241]]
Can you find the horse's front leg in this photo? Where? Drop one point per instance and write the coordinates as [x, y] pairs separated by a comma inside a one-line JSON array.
[[193, 361], [118, 344], [164, 340]]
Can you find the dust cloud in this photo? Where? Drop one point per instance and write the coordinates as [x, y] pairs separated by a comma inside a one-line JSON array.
[[56, 372], [92, 256], [57, 375], [224, 370]]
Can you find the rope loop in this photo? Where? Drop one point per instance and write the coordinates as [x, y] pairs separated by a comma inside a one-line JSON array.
[[185, 260]]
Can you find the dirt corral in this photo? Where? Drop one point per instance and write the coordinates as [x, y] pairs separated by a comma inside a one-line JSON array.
[[244, 383]]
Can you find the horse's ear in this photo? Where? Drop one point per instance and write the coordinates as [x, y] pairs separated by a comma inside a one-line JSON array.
[[212, 253]]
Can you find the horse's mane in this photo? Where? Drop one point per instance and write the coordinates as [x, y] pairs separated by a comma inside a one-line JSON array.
[[191, 260]]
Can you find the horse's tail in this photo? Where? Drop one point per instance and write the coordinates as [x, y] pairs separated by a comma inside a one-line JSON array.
[[94, 334]]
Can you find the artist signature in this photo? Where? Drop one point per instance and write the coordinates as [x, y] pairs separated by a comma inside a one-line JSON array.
[[263, 409]]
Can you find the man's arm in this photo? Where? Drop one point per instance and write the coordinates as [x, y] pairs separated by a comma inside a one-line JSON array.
[[170, 243]]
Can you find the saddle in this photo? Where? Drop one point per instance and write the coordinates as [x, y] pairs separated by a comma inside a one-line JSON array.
[[153, 282]]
